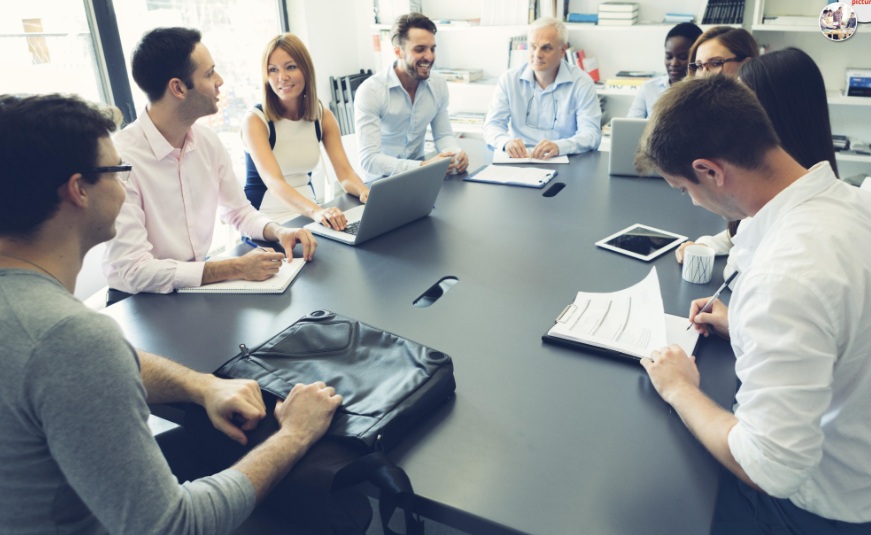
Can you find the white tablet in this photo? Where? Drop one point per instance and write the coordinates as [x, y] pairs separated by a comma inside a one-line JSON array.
[[642, 242]]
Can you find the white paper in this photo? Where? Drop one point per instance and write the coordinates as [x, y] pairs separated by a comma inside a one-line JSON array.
[[630, 321], [502, 157], [514, 176], [273, 285]]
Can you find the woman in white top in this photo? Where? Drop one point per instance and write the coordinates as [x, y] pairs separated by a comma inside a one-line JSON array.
[[299, 122]]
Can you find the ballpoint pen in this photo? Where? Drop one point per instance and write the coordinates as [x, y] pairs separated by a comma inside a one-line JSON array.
[[715, 296], [252, 243]]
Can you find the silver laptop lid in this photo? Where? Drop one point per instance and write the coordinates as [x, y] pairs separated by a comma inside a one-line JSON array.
[[625, 139], [393, 202]]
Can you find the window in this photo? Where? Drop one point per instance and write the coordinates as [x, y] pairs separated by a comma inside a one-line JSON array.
[[46, 46]]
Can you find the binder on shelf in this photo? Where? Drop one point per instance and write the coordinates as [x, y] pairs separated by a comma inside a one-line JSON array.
[[518, 51], [343, 90]]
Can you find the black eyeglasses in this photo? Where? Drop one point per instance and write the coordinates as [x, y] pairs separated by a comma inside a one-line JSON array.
[[122, 172], [710, 65]]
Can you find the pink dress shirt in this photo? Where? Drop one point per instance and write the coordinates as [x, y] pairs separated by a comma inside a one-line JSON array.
[[165, 227]]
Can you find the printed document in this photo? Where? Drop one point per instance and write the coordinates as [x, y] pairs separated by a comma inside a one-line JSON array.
[[630, 321]]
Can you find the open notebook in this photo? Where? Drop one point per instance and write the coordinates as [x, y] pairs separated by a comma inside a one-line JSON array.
[[273, 285]]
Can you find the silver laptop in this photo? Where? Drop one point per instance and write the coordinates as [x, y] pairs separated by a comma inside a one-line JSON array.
[[393, 201], [625, 139]]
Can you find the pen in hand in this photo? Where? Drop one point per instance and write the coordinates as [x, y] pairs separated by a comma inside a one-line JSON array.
[[249, 241], [715, 296]]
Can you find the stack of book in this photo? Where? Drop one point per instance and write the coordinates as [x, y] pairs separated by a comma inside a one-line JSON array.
[[460, 75], [724, 12], [674, 18], [618, 13], [629, 80], [467, 121]]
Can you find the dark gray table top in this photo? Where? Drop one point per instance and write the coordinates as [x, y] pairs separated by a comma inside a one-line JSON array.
[[539, 439]]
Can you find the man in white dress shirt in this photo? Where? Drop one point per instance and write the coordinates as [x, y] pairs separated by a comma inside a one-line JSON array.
[[797, 444], [393, 108], [181, 176]]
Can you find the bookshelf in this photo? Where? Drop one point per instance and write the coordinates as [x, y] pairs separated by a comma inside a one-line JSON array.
[[639, 47]]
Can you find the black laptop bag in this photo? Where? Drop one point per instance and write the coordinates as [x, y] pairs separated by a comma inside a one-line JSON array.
[[388, 384]]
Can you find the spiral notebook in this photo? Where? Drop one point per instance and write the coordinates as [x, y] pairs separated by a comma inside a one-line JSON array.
[[273, 285]]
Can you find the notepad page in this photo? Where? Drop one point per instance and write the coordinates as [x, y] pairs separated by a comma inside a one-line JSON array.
[[273, 285]]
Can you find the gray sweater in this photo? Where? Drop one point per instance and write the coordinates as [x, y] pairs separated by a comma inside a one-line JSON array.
[[76, 453]]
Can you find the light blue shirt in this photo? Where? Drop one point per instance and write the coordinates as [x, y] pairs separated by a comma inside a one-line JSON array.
[[566, 112], [647, 95], [391, 129]]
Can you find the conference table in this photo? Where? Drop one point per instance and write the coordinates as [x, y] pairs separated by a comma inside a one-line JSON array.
[[539, 438]]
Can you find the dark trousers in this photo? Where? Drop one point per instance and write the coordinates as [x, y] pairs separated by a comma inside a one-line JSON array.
[[741, 510]]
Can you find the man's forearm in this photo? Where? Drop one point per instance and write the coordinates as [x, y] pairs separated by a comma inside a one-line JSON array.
[[710, 424], [269, 462], [168, 382]]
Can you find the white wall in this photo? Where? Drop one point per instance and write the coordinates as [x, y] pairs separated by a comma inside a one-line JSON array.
[[331, 31]]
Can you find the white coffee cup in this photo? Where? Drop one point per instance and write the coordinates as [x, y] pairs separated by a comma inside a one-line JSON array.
[[698, 264]]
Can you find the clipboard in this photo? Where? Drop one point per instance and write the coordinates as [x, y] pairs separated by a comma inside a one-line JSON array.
[[507, 175]]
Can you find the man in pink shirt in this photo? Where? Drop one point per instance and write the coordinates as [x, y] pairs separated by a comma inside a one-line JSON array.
[[181, 176]]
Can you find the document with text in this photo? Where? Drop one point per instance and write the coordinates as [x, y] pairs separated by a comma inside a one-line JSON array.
[[630, 322]]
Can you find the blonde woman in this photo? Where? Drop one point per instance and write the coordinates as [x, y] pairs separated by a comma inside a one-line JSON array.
[[282, 137]]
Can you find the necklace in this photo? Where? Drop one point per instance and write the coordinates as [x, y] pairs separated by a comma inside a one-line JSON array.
[[34, 264]]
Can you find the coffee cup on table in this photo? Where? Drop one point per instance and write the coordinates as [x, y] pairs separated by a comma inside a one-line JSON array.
[[698, 264]]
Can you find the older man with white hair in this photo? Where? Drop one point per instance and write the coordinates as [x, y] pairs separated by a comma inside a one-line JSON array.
[[547, 107]]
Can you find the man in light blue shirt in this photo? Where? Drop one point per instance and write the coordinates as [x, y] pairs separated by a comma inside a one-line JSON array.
[[394, 107], [546, 104]]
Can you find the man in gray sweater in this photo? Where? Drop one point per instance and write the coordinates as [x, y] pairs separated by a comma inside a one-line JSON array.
[[76, 453]]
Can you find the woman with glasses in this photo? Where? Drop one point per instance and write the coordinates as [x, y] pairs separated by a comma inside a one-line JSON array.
[[678, 42], [790, 88], [282, 139], [722, 49]]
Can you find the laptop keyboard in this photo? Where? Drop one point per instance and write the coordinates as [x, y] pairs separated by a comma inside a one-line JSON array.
[[352, 228]]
